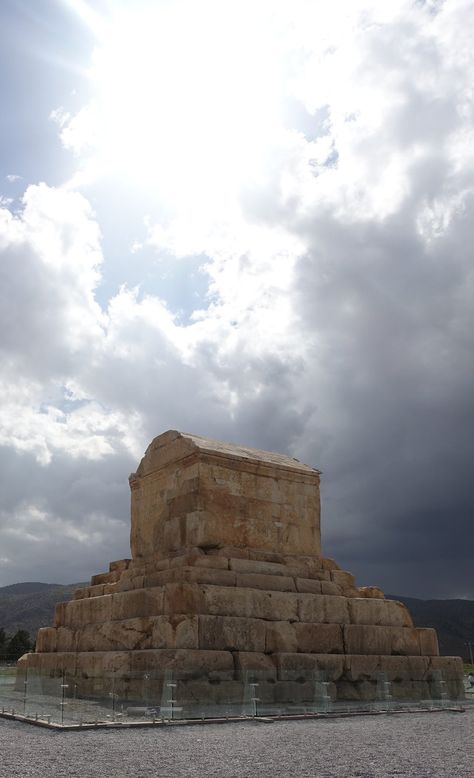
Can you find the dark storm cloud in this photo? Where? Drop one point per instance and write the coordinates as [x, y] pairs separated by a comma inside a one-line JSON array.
[[395, 382], [64, 521]]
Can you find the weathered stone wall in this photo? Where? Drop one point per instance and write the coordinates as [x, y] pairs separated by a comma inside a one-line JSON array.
[[184, 497]]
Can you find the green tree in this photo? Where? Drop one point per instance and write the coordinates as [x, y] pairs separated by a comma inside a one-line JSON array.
[[3, 643], [19, 644]]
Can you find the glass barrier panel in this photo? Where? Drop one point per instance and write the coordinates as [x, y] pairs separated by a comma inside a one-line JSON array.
[[383, 693], [59, 696], [10, 691]]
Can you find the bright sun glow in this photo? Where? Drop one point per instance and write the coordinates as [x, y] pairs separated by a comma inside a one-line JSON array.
[[185, 95]]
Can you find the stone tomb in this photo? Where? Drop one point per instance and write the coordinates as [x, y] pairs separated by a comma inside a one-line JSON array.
[[227, 580]]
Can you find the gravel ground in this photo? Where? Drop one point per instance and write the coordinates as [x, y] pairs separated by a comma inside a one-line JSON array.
[[435, 745]]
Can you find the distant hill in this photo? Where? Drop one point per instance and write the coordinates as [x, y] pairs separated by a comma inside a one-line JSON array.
[[27, 588], [453, 620], [31, 605]]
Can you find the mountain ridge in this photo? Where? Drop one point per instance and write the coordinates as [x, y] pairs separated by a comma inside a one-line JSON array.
[[30, 605]]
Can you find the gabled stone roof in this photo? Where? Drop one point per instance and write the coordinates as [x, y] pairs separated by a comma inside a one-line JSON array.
[[182, 443], [244, 452]]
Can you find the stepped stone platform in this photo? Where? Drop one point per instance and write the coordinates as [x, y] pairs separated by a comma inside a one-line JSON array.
[[227, 579]]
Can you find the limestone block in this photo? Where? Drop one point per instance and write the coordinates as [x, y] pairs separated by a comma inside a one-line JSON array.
[[250, 663], [80, 594], [185, 663], [102, 578], [450, 666], [378, 612], [232, 551], [294, 666], [127, 635], [299, 692], [280, 636], [131, 579], [99, 578], [405, 641], [192, 574], [51, 665], [60, 614], [137, 567], [308, 585], [183, 598], [221, 601], [319, 638], [281, 583], [311, 608], [295, 566], [98, 590], [184, 503], [371, 591], [428, 640], [329, 564], [177, 631], [152, 564], [344, 579], [126, 581], [323, 575], [357, 691], [46, 639], [336, 610], [364, 639], [93, 610], [330, 587], [255, 566], [272, 605], [120, 565], [361, 668], [261, 555], [401, 614], [66, 639], [228, 522], [111, 588], [404, 668], [54, 665], [163, 633], [171, 535], [411, 690], [323, 608], [100, 663], [231, 633], [350, 592], [192, 691], [186, 631], [137, 602], [215, 562], [305, 567]]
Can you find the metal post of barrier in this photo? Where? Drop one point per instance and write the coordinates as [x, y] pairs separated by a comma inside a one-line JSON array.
[[63, 703]]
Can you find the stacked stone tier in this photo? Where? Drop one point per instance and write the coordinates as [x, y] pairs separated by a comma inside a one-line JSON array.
[[211, 602], [214, 617]]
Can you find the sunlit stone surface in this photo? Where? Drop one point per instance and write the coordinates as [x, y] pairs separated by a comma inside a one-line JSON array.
[[227, 578]]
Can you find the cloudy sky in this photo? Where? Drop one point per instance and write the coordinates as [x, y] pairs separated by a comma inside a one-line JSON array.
[[251, 221]]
